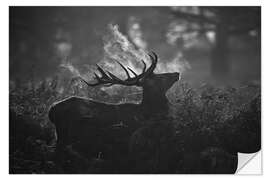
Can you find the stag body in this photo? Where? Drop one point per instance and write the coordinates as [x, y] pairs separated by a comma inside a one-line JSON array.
[[87, 124]]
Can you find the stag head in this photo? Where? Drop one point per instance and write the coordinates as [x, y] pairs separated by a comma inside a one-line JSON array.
[[148, 80]]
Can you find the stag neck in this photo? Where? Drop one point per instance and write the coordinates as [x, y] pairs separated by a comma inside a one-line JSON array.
[[153, 103]]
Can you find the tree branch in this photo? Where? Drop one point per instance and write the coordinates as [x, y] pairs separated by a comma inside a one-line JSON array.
[[193, 17]]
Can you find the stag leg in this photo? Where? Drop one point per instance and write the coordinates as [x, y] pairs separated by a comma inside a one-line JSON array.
[[59, 158], [62, 141]]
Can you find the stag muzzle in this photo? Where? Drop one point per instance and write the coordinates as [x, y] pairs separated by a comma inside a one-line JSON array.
[[175, 76]]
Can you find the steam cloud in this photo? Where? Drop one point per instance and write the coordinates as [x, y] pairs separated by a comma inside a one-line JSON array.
[[118, 47]]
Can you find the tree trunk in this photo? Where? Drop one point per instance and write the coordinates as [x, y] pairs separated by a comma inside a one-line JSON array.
[[220, 65]]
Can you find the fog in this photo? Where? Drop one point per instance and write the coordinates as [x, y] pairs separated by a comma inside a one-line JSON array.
[[219, 45]]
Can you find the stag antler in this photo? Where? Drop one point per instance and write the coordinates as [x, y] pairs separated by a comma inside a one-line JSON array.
[[109, 79]]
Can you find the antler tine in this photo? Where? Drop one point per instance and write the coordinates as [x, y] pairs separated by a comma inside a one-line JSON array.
[[114, 77], [144, 66], [136, 75], [124, 69], [102, 72], [154, 55], [154, 63], [96, 76]]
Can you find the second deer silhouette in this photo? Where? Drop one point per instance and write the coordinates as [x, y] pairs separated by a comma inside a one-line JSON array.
[[83, 121]]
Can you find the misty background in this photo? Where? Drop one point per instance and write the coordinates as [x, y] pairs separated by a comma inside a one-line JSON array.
[[215, 107], [219, 45]]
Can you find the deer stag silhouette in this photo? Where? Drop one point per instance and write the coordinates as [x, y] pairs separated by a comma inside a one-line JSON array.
[[83, 120]]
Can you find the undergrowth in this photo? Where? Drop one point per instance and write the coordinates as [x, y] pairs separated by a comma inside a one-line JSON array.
[[204, 115]]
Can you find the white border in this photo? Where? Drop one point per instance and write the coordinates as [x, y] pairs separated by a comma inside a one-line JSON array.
[[4, 73], [137, 2]]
